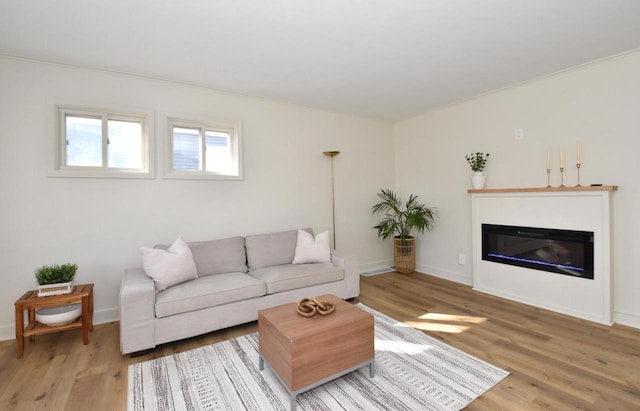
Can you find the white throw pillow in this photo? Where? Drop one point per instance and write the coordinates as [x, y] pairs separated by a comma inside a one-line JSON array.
[[309, 250], [170, 267]]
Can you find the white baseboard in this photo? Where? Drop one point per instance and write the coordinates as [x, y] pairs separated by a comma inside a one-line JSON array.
[[421, 268], [447, 275], [376, 265], [8, 331], [106, 316], [378, 271], [626, 319]]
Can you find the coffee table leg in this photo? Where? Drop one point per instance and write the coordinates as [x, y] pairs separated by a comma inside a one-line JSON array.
[[293, 402], [372, 369], [260, 362]]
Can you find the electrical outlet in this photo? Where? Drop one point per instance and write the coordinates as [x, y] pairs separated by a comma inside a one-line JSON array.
[[519, 134], [462, 259]]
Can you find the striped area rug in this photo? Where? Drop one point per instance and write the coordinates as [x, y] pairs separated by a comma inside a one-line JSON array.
[[413, 372]]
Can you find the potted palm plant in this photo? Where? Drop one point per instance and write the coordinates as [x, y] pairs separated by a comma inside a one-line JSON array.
[[399, 220]]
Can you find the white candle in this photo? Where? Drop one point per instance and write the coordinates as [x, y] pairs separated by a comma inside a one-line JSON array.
[[561, 161], [548, 160], [578, 155]]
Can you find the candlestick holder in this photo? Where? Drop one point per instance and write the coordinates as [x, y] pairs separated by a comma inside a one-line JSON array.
[[561, 176], [578, 165], [548, 177]]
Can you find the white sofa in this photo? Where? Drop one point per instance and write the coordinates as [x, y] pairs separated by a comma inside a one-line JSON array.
[[236, 277]]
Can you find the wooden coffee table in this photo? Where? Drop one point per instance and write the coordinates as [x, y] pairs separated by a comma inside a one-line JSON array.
[[307, 352]]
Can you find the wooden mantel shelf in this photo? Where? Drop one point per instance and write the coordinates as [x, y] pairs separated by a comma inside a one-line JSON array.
[[543, 189]]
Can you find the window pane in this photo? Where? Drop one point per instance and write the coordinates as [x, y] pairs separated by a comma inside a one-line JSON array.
[[125, 144], [186, 149], [218, 151], [84, 141]]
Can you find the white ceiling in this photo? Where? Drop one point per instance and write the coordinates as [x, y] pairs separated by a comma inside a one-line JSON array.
[[387, 59]]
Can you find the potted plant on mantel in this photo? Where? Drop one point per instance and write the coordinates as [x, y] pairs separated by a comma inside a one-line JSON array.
[[477, 161], [55, 279], [399, 219]]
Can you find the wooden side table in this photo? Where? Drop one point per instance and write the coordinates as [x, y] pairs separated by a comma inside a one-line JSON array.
[[82, 293]]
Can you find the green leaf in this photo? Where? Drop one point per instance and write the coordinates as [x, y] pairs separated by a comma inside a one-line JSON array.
[[400, 219], [53, 274]]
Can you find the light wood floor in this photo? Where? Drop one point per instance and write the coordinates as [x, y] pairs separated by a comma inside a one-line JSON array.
[[556, 362]]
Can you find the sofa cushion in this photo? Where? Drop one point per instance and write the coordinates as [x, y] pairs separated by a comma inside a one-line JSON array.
[[292, 276], [219, 256], [310, 250], [169, 267], [266, 250], [207, 291]]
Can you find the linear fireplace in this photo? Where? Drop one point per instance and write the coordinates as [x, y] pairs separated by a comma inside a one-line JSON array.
[[565, 252], [583, 209]]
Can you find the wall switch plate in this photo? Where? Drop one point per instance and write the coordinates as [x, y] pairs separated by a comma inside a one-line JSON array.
[[519, 134], [462, 259]]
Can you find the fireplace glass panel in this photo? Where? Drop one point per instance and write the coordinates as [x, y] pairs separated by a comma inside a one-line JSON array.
[[565, 252]]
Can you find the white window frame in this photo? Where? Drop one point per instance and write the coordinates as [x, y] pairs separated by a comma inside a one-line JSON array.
[[59, 165], [235, 140]]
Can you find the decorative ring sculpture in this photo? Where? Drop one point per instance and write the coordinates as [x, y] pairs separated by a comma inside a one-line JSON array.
[[308, 307]]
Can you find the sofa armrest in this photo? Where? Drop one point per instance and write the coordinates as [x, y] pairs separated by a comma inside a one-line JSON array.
[[349, 263], [137, 311]]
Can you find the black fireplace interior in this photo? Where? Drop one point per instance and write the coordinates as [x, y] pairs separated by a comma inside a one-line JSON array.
[[558, 251]]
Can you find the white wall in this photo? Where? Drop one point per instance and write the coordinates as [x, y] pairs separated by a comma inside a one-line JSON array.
[[101, 223], [597, 105]]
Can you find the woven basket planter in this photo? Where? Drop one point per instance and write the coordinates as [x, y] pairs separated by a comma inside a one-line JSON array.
[[404, 255]]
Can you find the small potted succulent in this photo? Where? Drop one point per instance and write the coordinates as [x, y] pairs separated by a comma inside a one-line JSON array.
[[477, 161], [55, 279]]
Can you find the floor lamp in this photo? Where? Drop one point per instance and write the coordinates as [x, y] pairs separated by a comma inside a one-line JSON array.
[[332, 154]]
